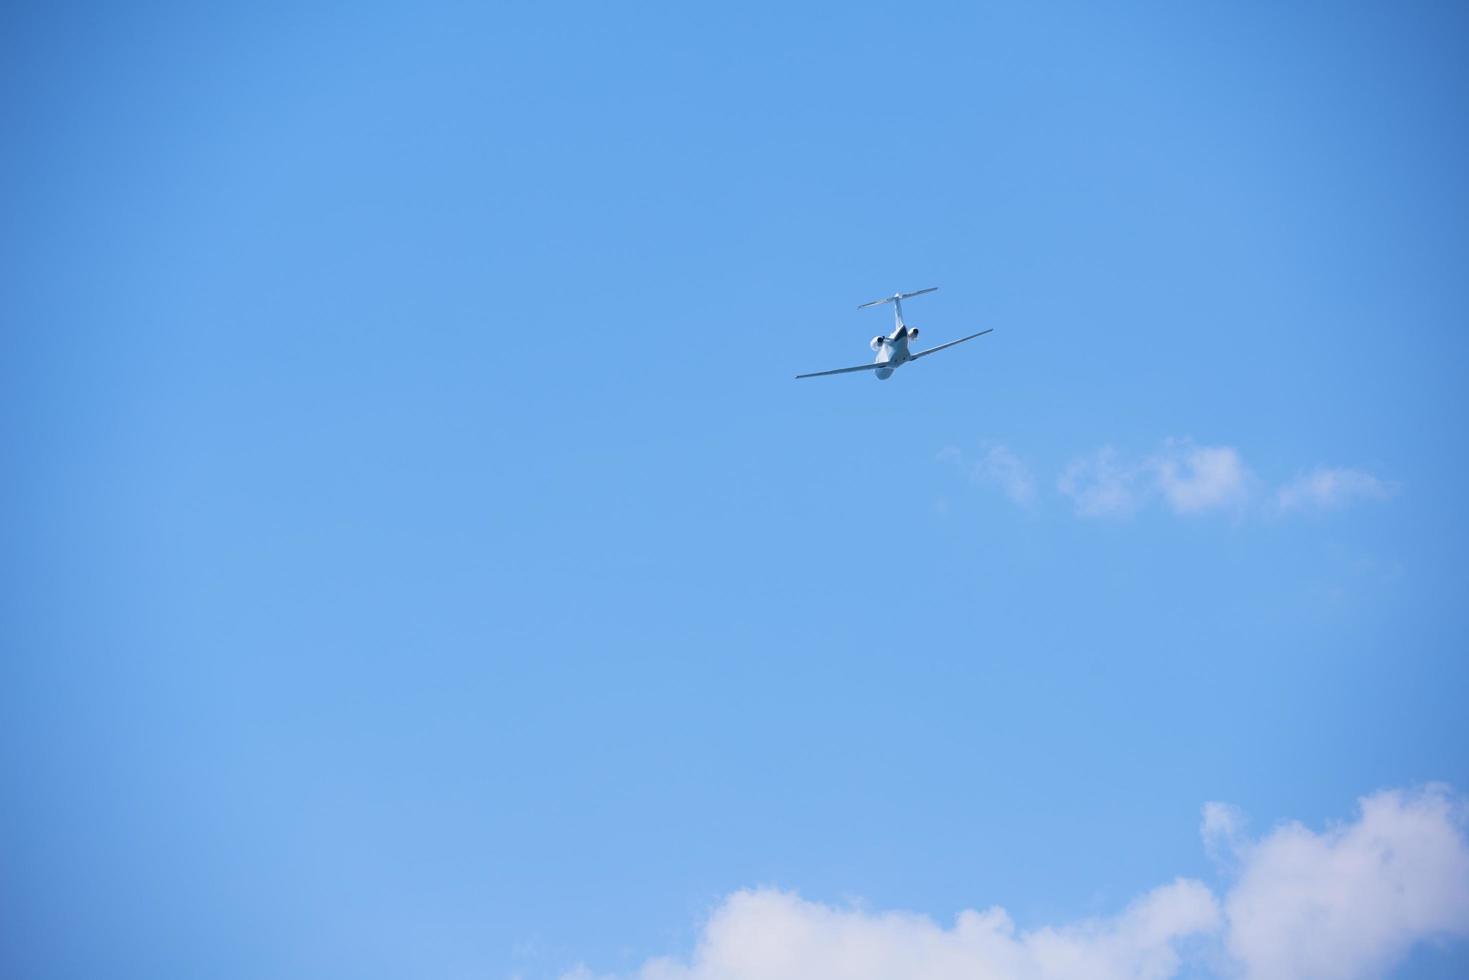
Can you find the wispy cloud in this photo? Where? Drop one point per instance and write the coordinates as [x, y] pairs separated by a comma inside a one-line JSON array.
[[1330, 488], [1102, 484], [996, 466], [1222, 831], [1188, 478], [1343, 904], [1194, 479]]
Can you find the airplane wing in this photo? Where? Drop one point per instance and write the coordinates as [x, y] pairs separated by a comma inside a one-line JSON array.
[[933, 350], [860, 367]]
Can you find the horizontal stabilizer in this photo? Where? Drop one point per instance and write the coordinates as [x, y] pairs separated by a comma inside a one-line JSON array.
[[897, 296]]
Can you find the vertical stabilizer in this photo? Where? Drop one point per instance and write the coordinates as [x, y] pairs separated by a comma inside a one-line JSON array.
[[897, 300]]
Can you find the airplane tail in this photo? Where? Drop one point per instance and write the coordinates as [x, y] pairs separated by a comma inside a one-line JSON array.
[[897, 300]]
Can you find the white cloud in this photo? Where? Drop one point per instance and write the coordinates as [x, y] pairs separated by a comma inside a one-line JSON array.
[[1101, 485], [1347, 903], [1181, 475], [1222, 831], [1190, 479], [1193, 478], [1329, 488], [998, 467], [775, 935], [1343, 904]]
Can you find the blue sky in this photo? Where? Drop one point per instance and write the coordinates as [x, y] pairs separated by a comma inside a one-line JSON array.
[[420, 560]]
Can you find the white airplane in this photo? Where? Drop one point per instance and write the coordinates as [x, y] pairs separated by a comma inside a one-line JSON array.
[[892, 350]]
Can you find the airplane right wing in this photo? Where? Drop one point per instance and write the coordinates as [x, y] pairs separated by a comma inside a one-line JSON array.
[[935, 350], [860, 367]]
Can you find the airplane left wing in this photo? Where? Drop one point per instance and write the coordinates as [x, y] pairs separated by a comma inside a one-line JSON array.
[[934, 350], [860, 367]]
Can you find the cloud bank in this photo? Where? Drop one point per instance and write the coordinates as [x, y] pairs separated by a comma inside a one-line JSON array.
[[1343, 904], [1352, 901]]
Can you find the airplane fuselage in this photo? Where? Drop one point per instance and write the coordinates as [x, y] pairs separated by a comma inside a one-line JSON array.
[[893, 351]]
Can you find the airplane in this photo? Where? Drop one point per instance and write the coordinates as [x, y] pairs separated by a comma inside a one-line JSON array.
[[892, 350]]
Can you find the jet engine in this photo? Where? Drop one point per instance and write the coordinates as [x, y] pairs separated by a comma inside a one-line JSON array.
[[877, 342], [912, 332]]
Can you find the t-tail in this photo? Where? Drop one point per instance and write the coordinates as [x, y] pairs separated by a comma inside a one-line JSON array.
[[897, 300]]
